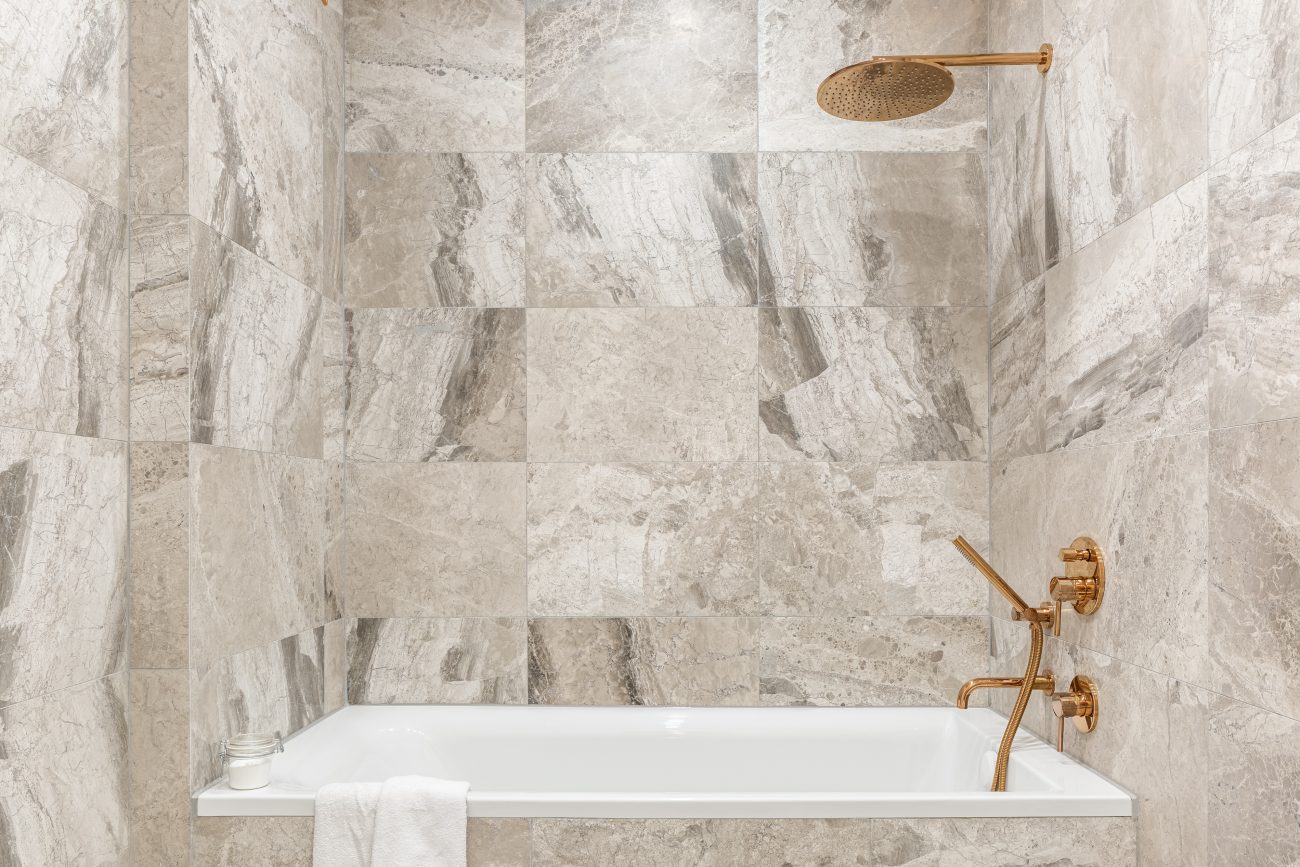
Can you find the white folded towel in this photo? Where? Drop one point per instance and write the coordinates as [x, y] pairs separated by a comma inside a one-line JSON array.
[[401, 822]]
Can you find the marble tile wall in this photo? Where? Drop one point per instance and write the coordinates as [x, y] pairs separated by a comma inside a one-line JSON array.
[[1142, 282], [661, 386]]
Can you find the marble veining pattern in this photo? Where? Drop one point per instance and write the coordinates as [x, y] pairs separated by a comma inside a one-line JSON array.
[[641, 75], [867, 384], [63, 304], [636, 539], [850, 229], [63, 561], [1253, 767], [160, 516], [435, 230], [158, 772], [1254, 72], [435, 76], [1018, 366], [445, 661], [436, 385], [159, 59], [1021, 216], [160, 328], [609, 230]]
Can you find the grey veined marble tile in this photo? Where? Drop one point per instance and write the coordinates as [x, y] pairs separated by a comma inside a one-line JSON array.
[[63, 566], [436, 385], [256, 109], [435, 76], [435, 230], [868, 384], [160, 328], [609, 230], [159, 767], [256, 351], [63, 793], [1018, 367], [802, 42], [1254, 781], [160, 516], [641, 75], [847, 538], [472, 660], [63, 304], [847, 229], [1255, 280], [1254, 70], [641, 385], [1126, 321], [159, 115], [643, 661], [435, 540], [1255, 536], [63, 90], [635, 539]]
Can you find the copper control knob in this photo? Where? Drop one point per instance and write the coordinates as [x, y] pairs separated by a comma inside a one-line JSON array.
[[1074, 590], [1079, 704]]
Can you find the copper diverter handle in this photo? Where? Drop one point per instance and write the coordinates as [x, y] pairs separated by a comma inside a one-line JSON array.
[[1079, 704], [1084, 582]]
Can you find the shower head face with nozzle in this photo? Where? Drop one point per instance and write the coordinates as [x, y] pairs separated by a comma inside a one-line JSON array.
[[885, 89]]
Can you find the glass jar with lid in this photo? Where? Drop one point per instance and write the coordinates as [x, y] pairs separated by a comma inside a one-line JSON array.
[[247, 758]]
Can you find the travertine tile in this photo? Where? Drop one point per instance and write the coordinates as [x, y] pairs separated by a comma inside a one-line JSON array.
[[801, 42], [614, 230], [1254, 537], [1126, 322], [256, 350], [63, 561], [843, 538], [436, 540], [1254, 77], [1255, 281], [63, 301], [641, 75], [435, 76], [435, 230], [159, 768], [891, 661], [846, 229], [159, 59], [160, 514], [63, 793], [244, 841], [273, 687], [1254, 766], [445, 661], [637, 539], [1018, 367], [160, 328], [643, 661], [63, 90], [867, 384], [256, 558], [256, 109], [436, 385], [641, 385], [499, 843]]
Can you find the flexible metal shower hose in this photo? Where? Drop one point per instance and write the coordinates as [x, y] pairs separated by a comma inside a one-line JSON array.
[[1022, 702]]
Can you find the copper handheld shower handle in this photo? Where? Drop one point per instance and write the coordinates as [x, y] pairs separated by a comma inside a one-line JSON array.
[[993, 577]]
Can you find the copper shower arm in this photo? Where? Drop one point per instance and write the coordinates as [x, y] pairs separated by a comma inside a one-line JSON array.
[[993, 577], [1042, 58]]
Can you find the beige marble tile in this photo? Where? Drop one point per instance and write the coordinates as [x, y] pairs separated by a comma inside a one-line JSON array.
[[857, 661], [63, 561], [801, 42], [63, 301], [334, 380], [245, 841], [641, 75], [436, 385], [1254, 536], [435, 230], [1020, 548], [1254, 780], [277, 686], [710, 661], [256, 350], [160, 515], [333, 180], [446, 661], [844, 538], [1022, 216], [159, 61], [158, 769], [1254, 78], [1018, 369], [1126, 323], [499, 843], [160, 329], [848, 229], [335, 542], [255, 541], [256, 110], [637, 539], [1093, 842], [641, 385], [1018, 26], [868, 384], [63, 90], [435, 77], [436, 540], [1255, 281], [334, 678], [628, 230]]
